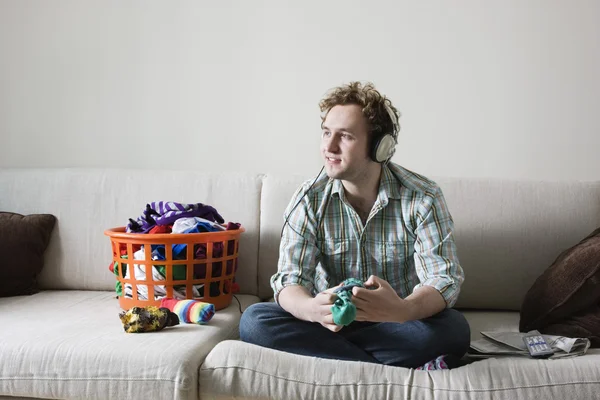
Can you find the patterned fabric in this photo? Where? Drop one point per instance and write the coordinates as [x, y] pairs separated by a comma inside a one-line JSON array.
[[147, 319], [407, 239], [190, 311], [167, 212], [436, 364]]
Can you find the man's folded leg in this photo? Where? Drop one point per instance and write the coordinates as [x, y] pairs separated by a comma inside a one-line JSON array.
[[414, 343], [269, 325]]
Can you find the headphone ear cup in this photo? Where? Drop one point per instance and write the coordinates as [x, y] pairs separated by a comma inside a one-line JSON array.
[[383, 149]]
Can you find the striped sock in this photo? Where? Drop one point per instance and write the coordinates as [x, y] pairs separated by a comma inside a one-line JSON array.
[[190, 311]]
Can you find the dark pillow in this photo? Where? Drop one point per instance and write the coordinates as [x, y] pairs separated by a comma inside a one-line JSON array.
[[567, 293], [23, 241]]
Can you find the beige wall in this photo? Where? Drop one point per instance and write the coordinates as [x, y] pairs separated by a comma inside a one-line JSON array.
[[505, 89]]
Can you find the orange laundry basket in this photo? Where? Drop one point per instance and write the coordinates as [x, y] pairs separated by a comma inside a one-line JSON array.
[[203, 269]]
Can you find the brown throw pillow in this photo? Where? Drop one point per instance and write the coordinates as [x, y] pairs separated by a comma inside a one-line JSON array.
[[23, 241], [564, 299]]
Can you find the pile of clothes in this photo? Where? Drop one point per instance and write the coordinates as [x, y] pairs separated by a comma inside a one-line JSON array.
[[171, 217], [170, 313]]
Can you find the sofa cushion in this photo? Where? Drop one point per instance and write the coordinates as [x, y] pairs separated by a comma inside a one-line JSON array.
[[23, 241], [240, 370], [566, 296], [88, 201], [493, 320], [507, 232], [71, 345]]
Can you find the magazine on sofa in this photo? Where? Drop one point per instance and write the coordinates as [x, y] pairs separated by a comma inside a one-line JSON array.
[[498, 344]]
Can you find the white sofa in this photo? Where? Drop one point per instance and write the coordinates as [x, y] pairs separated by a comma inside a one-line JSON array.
[[68, 342]]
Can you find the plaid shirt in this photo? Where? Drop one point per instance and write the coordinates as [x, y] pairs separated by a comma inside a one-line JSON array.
[[407, 239]]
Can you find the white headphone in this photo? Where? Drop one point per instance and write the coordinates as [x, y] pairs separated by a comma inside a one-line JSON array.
[[384, 148]]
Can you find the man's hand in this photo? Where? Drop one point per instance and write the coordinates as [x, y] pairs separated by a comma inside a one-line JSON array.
[[381, 303], [320, 309], [298, 301]]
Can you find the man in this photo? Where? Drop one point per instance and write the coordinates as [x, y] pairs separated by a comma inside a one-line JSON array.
[[371, 220]]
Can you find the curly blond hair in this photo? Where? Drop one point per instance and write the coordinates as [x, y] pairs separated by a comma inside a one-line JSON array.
[[373, 106]]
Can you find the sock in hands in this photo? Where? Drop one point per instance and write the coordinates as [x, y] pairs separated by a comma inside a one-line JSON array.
[[343, 310]]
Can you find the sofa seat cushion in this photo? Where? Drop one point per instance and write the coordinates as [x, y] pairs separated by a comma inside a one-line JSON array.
[[71, 344], [239, 370]]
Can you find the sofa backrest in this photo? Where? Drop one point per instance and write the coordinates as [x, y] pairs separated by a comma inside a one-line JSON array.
[[507, 232], [88, 201]]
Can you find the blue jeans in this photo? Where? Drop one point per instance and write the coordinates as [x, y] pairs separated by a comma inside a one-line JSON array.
[[410, 344]]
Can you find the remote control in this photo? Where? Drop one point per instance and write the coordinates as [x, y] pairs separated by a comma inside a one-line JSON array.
[[537, 346]]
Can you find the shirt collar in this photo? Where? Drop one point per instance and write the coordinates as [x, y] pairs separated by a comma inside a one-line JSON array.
[[389, 186], [336, 187]]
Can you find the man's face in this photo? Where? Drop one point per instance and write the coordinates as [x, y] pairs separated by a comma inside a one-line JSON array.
[[344, 143]]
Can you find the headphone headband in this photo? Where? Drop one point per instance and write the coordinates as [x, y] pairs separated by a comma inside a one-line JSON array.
[[393, 118]]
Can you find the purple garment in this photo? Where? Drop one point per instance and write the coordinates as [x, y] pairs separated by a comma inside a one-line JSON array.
[[167, 212]]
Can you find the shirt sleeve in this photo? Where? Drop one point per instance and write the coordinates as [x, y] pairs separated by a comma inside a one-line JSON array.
[[298, 252], [436, 259]]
